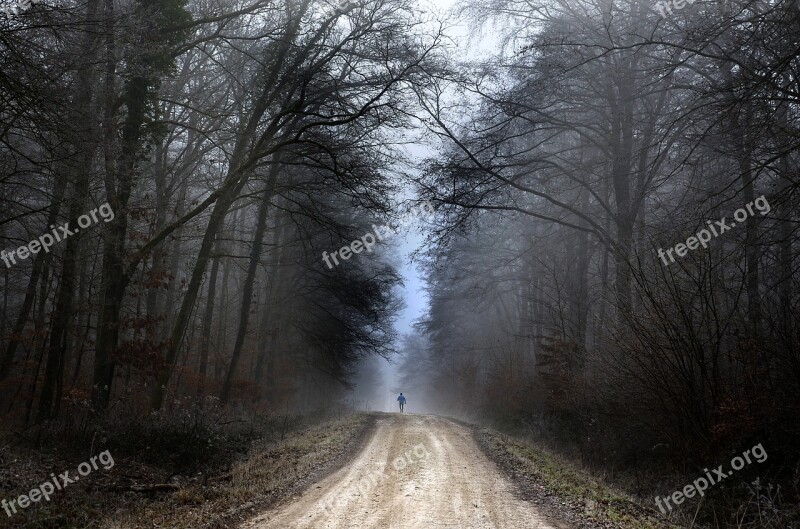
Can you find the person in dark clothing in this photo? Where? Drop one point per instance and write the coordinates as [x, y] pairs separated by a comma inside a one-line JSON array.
[[402, 400]]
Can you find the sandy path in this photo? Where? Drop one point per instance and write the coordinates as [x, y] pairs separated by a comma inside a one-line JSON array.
[[417, 471]]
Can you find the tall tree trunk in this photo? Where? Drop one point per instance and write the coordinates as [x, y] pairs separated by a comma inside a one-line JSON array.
[[221, 208], [156, 274], [39, 328], [579, 297], [222, 324], [114, 277], [247, 291], [786, 255], [751, 248], [249, 148], [56, 356], [578, 287], [208, 320], [102, 371], [622, 151], [84, 294], [266, 354], [174, 262], [30, 293]]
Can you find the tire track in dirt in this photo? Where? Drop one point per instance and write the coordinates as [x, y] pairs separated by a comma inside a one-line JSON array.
[[417, 471]]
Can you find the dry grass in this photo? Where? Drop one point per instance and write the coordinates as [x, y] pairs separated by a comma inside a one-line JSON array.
[[554, 481], [268, 472]]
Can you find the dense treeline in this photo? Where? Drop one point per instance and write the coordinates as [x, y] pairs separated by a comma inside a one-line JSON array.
[[229, 144], [577, 160], [613, 262]]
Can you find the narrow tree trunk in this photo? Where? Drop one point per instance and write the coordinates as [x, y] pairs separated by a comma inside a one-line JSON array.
[[30, 293], [39, 328], [174, 263], [156, 274], [102, 371], [267, 352], [86, 324], [751, 249], [208, 320], [56, 357], [786, 256], [221, 208], [580, 298], [114, 277], [222, 324], [247, 291]]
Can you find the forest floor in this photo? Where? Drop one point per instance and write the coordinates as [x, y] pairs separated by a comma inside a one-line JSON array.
[[558, 488], [149, 488], [387, 471]]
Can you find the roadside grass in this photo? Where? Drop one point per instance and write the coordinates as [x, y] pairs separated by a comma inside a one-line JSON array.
[[543, 474], [254, 478]]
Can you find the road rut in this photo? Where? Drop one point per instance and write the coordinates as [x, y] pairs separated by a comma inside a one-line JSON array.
[[417, 471]]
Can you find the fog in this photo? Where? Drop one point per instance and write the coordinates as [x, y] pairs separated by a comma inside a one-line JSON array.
[[575, 221]]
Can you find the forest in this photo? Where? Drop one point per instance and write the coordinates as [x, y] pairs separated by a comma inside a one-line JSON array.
[[610, 264]]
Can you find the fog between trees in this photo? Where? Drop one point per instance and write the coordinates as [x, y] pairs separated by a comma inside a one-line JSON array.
[[603, 133], [236, 142]]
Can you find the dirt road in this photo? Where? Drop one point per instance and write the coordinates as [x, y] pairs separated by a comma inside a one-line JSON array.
[[417, 471]]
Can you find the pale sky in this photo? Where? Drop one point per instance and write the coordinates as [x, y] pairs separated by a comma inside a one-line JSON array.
[[413, 291], [398, 251]]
